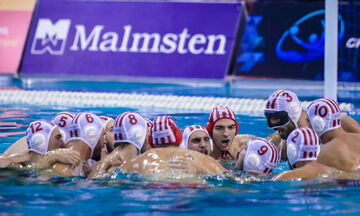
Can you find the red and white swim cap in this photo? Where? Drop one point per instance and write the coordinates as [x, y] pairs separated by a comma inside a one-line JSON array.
[[302, 145], [38, 136], [164, 131], [63, 121], [190, 130], [284, 100], [130, 127], [86, 127], [262, 156], [218, 113], [324, 115]]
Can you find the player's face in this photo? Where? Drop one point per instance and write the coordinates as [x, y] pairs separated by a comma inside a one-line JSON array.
[[146, 145], [100, 144], [285, 130], [224, 133], [109, 135], [56, 140], [200, 141]]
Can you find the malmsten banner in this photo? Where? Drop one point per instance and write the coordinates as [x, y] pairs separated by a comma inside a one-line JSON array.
[[136, 39]]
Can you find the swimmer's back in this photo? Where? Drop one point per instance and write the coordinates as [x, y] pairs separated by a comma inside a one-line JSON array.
[[312, 170], [172, 159], [349, 124], [342, 153]]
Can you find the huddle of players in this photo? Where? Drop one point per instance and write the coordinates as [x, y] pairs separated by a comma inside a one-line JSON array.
[[319, 142]]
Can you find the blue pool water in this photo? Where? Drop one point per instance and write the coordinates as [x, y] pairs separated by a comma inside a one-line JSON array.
[[24, 193]]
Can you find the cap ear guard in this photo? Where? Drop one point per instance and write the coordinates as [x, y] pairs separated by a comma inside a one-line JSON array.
[[318, 124], [138, 135], [291, 153], [39, 144], [295, 112], [182, 145], [251, 163], [91, 135]]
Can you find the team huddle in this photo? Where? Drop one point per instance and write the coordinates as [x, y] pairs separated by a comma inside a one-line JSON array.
[[319, 142]]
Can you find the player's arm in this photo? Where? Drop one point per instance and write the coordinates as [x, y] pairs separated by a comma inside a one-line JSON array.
[[194, 163], [279, 143], [244, 138], [304, 172], [20, 147], [59, 169], [102, 167], [286, 175], [65, 156], [13, 159], [274, 138]]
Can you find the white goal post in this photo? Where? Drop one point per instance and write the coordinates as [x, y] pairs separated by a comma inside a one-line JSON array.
[[331, 49]]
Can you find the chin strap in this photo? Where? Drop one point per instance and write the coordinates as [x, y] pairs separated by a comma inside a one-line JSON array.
[[224, 154]]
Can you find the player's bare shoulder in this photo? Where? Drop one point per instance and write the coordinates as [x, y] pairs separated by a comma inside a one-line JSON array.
[[242, 139]]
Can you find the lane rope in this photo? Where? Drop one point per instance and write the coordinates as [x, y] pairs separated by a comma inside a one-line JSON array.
[[245, 106]]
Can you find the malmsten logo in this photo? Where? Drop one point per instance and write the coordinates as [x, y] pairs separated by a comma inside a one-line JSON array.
[[52, 37]]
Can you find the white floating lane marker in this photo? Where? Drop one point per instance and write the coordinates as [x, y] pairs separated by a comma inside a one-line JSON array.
[[245, 106]]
